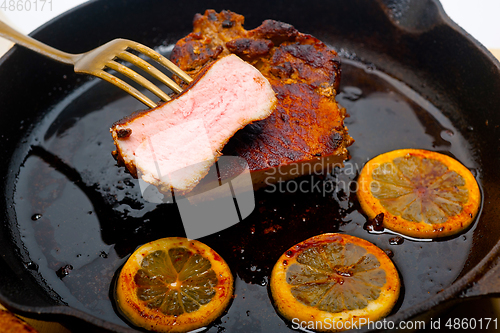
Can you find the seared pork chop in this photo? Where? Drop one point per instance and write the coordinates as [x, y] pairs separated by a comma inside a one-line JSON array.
[[306, 132], [173, 145]]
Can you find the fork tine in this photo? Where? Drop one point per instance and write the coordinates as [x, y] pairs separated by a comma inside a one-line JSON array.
[[139, 79], [135, 60], [124, 86], [162, 60]]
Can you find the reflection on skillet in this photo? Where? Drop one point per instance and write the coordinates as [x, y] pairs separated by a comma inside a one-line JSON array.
[[80, 215]]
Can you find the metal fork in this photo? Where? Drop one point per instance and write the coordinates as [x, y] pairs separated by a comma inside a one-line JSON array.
[[95, 61]]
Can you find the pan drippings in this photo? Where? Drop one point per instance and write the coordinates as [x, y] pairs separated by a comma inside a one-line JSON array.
[[75, 208]]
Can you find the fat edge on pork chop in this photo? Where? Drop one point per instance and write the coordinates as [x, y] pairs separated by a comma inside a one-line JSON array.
[[306, 131]]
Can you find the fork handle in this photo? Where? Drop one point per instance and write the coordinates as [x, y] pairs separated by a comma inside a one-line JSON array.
[[15, 36]]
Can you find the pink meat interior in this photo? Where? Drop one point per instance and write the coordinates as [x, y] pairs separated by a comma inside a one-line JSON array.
[[174, 144]]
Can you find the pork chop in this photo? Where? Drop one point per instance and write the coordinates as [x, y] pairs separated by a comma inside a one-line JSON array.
[[306, 132]]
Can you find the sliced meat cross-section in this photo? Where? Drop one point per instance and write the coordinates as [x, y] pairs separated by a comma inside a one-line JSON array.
[[173, 145]]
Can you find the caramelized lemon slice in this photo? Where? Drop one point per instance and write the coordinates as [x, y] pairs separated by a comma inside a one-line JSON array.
[[9, 323], [421, 193], [174, 285], [334, 281]]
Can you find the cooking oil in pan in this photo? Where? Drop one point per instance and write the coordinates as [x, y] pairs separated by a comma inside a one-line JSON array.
[[80, 215]]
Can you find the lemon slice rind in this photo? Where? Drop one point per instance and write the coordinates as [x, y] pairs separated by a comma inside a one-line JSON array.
[[139, 314], [413, 223], [299, 313]]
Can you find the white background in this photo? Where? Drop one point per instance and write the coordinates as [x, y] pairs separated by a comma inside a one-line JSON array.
[[478, 17]]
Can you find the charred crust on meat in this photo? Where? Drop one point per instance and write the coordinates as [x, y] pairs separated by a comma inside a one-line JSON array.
[[227, 24], [126, 119], [248, 49], [243, 137], [212, 16], [123, 133], [276, 31], [337, 140], [197, 35], [217, 51], [120, 162], [282, 71], [197, 17], [307, 53]]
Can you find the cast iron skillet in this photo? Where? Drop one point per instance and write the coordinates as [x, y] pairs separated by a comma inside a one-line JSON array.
[[411, 40]]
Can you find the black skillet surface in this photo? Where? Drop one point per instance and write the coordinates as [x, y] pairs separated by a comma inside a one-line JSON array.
[[411, 78]]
